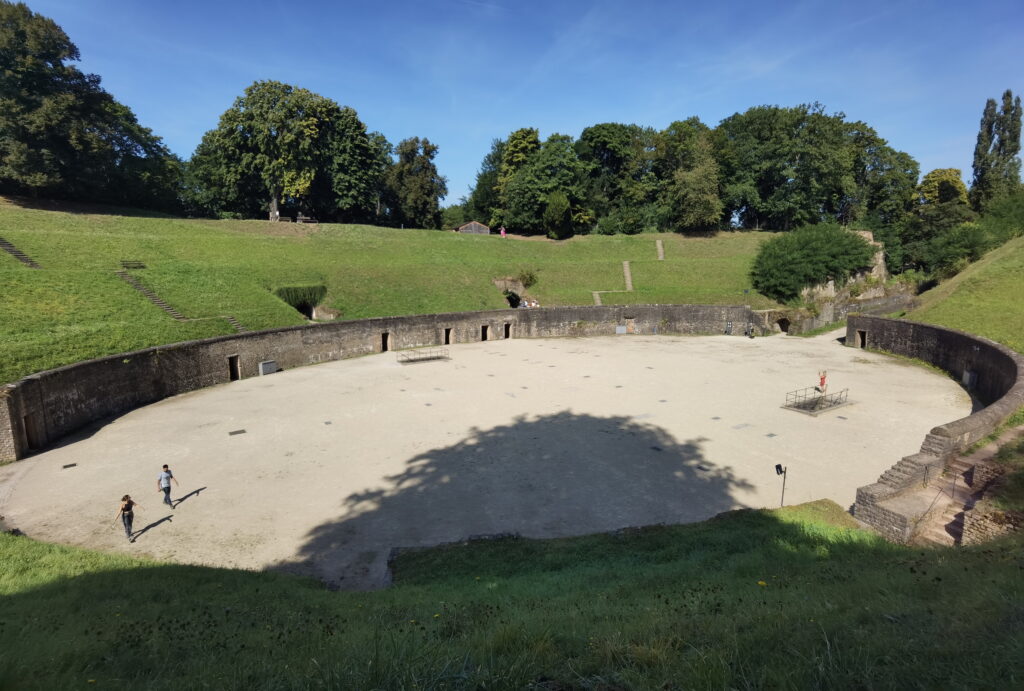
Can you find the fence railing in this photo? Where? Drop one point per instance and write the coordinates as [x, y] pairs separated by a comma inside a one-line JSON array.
[[422, 354], [812, 398]]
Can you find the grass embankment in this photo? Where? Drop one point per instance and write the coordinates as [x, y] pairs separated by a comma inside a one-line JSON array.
[[75, 307], [987, 298], [795, 598]]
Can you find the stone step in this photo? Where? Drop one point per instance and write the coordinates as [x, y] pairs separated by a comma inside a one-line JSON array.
[[18, 254], [235, 324], [935, 445], [628, 275], [150, 295]]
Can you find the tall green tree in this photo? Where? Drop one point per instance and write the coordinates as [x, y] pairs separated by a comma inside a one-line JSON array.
[[61, 134], [518, 150], [942, 207], [555, 167], [688, 173], [784, 167], [996, 159], [279, 143], [483, 200], [415, 185], [690, 199], [943, 185]]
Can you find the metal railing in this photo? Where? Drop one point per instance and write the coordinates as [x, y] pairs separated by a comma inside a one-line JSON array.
[[422, 354], [812, 398]]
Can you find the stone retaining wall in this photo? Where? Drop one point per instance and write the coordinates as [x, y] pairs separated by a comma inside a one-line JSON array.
[[993, 374], [42, 408], [984, 522]]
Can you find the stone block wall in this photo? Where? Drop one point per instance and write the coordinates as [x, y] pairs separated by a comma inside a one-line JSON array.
[[892, 525], [44, 407], [984, 522], [996, 377]]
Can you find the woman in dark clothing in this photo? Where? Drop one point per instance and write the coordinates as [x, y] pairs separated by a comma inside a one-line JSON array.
[[126, 512]]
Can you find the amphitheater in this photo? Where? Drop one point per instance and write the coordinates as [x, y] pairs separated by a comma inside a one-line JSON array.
[[541, 423]]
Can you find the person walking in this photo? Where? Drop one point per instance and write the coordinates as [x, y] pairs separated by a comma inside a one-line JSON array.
[[163, 484], [127, 514]]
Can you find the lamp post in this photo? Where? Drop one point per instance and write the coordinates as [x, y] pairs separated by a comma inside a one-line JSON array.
[[779, 470]]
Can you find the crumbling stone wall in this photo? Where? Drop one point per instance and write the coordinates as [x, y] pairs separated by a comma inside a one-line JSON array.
[[993, 373], [44, 407]]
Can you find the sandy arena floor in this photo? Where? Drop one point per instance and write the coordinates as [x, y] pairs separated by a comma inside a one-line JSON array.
[[341, 462]]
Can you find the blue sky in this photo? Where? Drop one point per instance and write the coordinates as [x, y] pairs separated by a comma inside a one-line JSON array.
[[463, 72]]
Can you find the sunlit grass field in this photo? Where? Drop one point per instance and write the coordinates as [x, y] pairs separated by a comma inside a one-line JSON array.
[[987, 298], [75, 307]]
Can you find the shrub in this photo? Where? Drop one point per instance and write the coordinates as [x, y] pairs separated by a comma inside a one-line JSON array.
[[951, 251], [808, 256], [528, 277]]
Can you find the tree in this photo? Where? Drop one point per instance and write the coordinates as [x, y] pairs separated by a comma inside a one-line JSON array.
[[554, 167], [943, 185], [686, 166], [519, 148], [557, 216], [280, 143], [996, 161], [415, 186], [483, 200], [61, 134], [942, 207], [785, 167]]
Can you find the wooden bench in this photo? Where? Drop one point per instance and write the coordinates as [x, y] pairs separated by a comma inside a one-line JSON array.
[[305, 219]]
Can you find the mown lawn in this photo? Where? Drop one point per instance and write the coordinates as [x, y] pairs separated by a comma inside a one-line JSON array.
[[75, 308], [793, 598]]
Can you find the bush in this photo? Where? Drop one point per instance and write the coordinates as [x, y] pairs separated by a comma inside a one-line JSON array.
[[808, 256], [528, 277], [951, 251]]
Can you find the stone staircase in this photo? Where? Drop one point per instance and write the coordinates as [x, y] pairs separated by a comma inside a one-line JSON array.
[[150, 295], [178, 316], [18, 254], [627, 275], [235, 324], [945, 527], [958, 488]]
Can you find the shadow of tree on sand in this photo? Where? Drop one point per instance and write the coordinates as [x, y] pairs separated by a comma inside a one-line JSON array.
[[552, 476]]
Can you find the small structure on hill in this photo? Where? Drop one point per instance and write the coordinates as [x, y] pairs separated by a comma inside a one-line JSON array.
[[475, 228]]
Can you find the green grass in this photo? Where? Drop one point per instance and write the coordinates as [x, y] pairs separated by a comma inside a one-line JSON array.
[[796, 598], [986, 299], [75, 308]]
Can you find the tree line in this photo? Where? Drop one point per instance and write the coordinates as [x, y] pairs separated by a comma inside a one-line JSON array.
[[279, 149]]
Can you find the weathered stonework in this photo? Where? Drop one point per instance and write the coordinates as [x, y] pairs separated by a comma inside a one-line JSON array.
[[42, 408], [984, 522], [993, 373]]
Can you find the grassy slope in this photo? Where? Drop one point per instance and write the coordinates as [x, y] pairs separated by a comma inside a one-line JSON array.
[[677, 605], [75, 308], [986, 299], [683, 606]]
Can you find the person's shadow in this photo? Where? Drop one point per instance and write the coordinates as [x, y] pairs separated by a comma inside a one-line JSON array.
[[139, 533], [193, 493]]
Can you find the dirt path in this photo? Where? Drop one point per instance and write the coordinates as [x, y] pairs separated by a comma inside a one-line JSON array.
[[323, 470]]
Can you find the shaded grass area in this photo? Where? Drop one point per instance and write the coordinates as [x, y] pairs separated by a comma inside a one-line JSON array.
[[793, 598], [1009, 494], [986, 299], [74, 308]]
